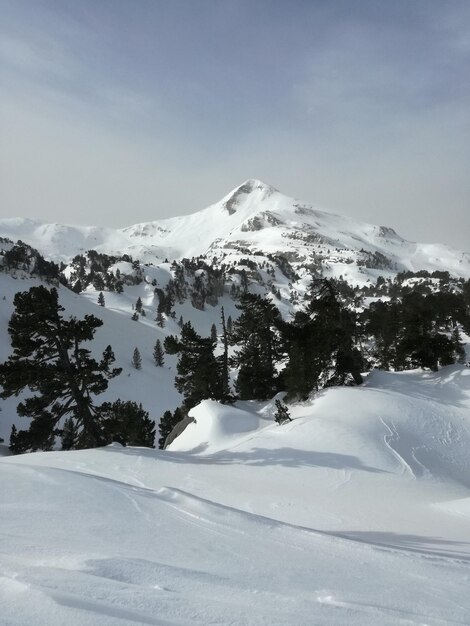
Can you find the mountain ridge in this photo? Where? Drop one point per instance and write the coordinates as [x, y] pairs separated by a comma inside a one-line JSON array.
[[253, 218]]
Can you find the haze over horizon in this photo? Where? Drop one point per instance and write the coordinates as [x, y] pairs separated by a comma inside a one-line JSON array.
[[115, 113]]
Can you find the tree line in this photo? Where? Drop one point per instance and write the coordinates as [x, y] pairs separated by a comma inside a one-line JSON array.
[[329, 341]]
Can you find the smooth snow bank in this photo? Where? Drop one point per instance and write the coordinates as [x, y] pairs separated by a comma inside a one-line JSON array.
[[83, 549], [355, 513], [412, 424], [216, 427]]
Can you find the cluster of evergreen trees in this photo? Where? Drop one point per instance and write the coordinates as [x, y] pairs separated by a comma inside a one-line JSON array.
[[49, 360], [416, 331], [270, 355], [22, 257], [94, 268], [330, 341]]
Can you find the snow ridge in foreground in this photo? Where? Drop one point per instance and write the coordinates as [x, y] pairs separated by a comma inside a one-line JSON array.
[[355, 513]]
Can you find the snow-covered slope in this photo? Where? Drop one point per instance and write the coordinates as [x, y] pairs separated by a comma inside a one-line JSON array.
[[253, 217], [356, 513]]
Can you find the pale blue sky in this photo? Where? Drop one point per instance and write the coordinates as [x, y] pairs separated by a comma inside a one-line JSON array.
[[120, 111]]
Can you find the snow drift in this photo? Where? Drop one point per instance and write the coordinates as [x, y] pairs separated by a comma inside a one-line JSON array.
[[242, 521]]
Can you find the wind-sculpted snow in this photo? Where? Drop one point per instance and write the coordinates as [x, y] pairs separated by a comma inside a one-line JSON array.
[[106, 552], [215, 426], [355, 513]]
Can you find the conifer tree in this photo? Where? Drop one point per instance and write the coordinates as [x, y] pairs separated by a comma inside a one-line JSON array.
[[127, 423], [244, 281], [198, 373], [14, 440], [97, 281], [135, 317], [214, 333], [258, 340], [69, 434], [458, 346], [158, 354], [226, 396], [382, 321], [423, 338], [49, 360], [159, 318], [138, 305], [320, 344], [136, 359], [101, 301]]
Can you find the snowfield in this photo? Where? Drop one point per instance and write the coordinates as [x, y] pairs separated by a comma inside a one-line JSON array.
[[355, 513]]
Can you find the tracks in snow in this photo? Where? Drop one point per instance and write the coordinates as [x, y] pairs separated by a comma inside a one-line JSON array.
[[404, 451]]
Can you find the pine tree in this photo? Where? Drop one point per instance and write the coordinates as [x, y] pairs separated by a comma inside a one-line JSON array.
[[77, 287], [138, 305], [160, 319], [127, 423], [97, 281], [244, 281], [135, 317], [158, 354], [101, 301], [225, 394], [136, 359], [214, 333], [14, 440], [164, 428], [198, 372], [48, 359], [420, 344], [459, 350], [320, 344], [302, 371], [180, 321], [69, 434], [258, 340], [382, 321]]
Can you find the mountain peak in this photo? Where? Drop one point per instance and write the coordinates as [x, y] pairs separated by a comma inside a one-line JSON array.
[[255, 183], [250, 186]]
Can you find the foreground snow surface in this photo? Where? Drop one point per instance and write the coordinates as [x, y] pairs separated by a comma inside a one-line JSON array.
[[356, 513]]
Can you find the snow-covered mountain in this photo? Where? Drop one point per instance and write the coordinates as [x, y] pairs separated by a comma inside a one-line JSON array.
[[356, 512], [253, 218]]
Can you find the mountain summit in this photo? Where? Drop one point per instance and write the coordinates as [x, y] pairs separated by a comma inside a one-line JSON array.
[[256, 189]]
